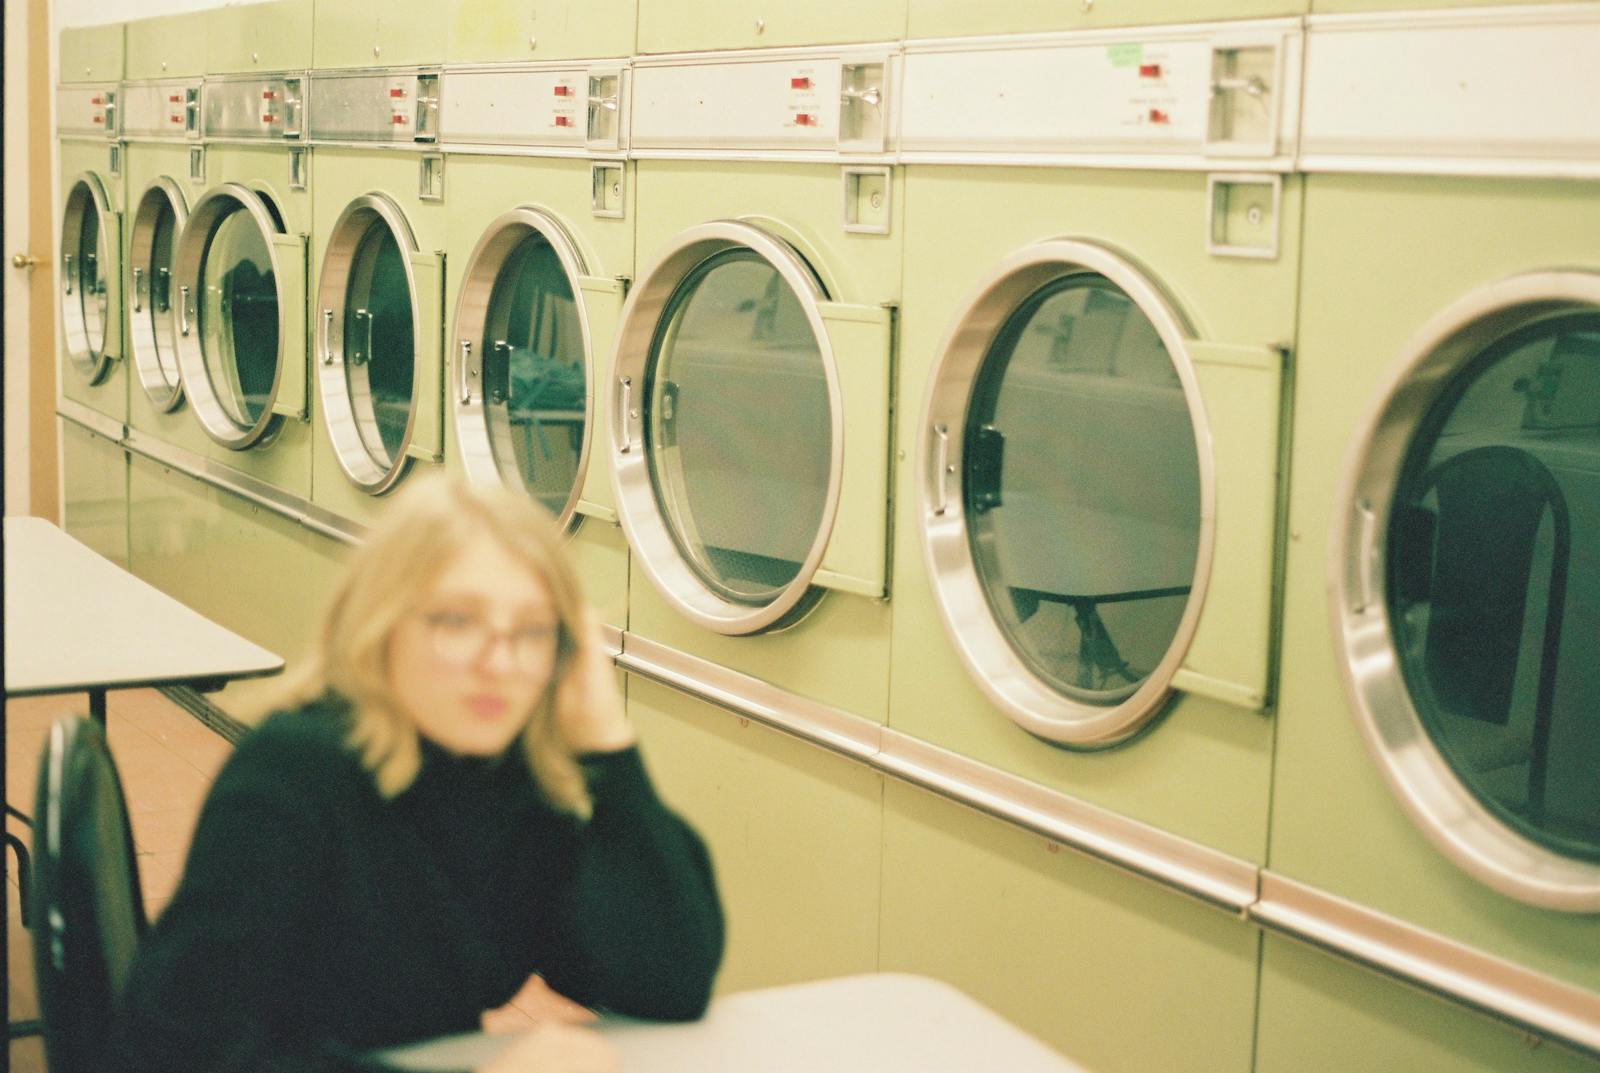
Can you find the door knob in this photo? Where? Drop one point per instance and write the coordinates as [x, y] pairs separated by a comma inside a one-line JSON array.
[[25, 260]]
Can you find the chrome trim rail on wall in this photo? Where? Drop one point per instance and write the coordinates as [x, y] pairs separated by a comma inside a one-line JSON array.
[[93, 420], [1502, 989]]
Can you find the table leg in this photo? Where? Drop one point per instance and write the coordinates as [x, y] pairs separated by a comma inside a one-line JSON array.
[[97, 706]]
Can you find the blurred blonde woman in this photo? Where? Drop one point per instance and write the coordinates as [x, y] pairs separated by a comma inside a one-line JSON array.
[[450, 800]]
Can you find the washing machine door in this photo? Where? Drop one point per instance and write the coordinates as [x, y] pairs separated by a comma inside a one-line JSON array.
[[152, 296], [1065, 500], [1466, 585], [91, 283], [523, 401], [728, 455], [241, 316], [370, 341]]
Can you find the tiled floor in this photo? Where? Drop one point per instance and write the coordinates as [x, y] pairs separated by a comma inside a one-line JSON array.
[[166, 759]]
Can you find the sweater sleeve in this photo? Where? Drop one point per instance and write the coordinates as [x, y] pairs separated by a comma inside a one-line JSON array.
[[640, 931], [213, 986]]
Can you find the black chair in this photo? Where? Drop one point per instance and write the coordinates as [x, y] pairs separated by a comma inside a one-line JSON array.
[[84, 899]]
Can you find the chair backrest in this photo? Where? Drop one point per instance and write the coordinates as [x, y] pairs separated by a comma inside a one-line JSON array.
[[88, 913]]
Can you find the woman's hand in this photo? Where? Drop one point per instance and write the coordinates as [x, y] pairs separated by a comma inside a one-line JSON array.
[[554, 1048], [536, 1001], [588, 705]]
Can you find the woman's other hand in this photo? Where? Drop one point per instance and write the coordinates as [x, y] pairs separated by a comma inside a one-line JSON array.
[[552, 1048], [588, 705], [537, 1002]]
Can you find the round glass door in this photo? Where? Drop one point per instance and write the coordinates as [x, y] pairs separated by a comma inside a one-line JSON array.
[[1065, 505], [523, 403], [230, 313], [729, 455], [152, 296], [1472, 538], [88, 265], [367, 350]]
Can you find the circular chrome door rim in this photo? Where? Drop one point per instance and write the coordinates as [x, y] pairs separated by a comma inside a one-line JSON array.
[[947, 551], [1428, 789], [147, 335], [473, 437], [642, 521], [87, 189], [207, 213], [339, 416]]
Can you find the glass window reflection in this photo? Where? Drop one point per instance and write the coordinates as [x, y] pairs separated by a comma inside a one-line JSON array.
[[1082, 488], [238, 314], [739, 427], [380, 344], [534, 373], [1494, 579], [158, 303]]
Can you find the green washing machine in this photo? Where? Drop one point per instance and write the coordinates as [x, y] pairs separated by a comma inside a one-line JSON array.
[[93, 374], [377, 310], [1099, 302], [541, 245], [750, 462], [161, 135], [1436, 809]]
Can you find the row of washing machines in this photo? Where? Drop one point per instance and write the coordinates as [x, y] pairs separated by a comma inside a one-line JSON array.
[[1000, 430]]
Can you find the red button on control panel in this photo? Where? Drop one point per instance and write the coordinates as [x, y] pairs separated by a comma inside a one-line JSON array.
[[1149, 70], [397, 93], [269, 95], [1158, 116], [805, 120], [564, 91], [799, 83], [563, 121]]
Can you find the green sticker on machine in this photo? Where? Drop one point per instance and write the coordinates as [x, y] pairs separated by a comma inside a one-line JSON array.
[[1125, 55]]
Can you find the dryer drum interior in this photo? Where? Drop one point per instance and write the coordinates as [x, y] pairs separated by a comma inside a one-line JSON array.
[[523, 410], [152, 294], [1485, 459], [1064, 501], [367, 347], [89, 251]]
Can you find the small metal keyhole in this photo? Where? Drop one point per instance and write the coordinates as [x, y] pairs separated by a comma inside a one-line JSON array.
[[497, 396], [876, 200], [1088, 5], [616, 190], [376, 51], [761, 24], [533, 42], [255, 57], [1254, 215]]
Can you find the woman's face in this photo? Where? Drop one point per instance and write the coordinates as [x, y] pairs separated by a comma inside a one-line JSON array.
[[469, 662]]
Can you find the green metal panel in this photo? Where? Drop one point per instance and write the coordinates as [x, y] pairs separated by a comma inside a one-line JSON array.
[[1424, 243], [264, 37], [856, 559], [94, 481], [599, 553], [1319, 1015], [484, 31], [1120, 975], [167, 46], [1323, 7], [951, 18], [1203, 771], [427, 437], [794, 835], [689, 25], [92, 53], [259, 574], [1229, 656], [110, 395], [370, 33], [602, 306]]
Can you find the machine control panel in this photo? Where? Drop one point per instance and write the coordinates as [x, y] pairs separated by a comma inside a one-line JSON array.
[[397, 106], [823, 102], [271, 108], [161, 110], [88, 110], [1188, 94], [577, 109]]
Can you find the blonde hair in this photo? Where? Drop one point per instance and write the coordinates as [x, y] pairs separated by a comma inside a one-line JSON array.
[[387, 576]]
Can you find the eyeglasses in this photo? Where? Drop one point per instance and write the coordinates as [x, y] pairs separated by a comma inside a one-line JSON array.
[[465, 639]]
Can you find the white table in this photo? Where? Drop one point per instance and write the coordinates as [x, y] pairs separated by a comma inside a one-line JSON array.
[[78, 623], [881, 1023]]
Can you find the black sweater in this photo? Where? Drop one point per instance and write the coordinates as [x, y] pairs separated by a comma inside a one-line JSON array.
[[316, 920]]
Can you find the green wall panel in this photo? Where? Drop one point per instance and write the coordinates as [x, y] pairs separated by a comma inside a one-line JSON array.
[[794, 835], [167, 46], [690, 25], [1118, 974], [94, 507], [92, 53], [373, 33], [942, 18], [1319, 1015], [261, 37], [485, 31]]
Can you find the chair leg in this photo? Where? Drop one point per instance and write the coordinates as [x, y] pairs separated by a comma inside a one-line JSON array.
[[23, 866]]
